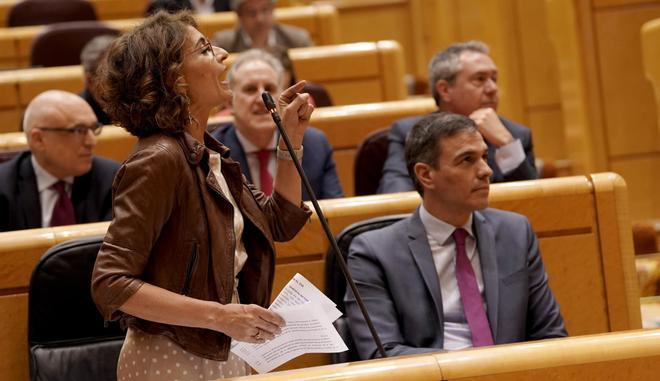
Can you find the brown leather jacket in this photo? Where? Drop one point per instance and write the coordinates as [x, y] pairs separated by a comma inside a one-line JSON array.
[[173, 228]]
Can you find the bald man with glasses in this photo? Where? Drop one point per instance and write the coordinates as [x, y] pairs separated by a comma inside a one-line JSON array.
[[58, 181]]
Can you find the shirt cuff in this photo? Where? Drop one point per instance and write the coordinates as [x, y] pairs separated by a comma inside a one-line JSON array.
[[509, 156]]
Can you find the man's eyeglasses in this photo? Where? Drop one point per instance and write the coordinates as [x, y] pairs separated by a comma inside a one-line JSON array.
[[79, 131]]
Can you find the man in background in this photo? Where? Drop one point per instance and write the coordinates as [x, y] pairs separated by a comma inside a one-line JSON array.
[[258, 29], [58, 181], [253, 136], [90, 58], [463, 80]]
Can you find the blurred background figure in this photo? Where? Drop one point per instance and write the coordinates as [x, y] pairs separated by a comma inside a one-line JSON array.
[[90, 57], [197, 6], [258, 29]]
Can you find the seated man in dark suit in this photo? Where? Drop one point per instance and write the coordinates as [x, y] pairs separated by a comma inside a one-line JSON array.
[[455, 274], [57, 182], [253, 136], [463, 80], [258, 29]]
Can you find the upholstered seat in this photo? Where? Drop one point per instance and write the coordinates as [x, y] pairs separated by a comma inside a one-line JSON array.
[[67, 337]]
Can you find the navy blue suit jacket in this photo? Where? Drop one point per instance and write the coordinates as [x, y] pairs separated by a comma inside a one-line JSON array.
[[395, 176], [20, 207], [317, 160], [395, 274]]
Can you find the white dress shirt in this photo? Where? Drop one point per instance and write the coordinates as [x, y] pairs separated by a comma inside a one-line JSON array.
[[251, 150], [509, 156], [47, 195], [247, 40], [456, 330], [240, 255]]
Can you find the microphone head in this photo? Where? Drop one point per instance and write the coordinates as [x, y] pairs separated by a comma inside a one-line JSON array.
[[268, 101]]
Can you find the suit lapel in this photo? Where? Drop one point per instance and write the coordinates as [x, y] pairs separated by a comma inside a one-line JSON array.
[[487, 256], [421, 253], [81, 188], [28, 197], [237, 153]]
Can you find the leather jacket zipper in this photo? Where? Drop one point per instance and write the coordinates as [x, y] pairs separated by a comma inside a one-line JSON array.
[[192, 262]]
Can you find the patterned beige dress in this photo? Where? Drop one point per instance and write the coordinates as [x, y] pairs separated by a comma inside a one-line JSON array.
[[147, 357]]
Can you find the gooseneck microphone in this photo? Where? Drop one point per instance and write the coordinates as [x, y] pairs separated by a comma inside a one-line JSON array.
[[270, 105]]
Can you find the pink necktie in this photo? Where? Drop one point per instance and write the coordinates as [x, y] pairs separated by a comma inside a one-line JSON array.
[[473, 306], [264, 176], [63, 213]]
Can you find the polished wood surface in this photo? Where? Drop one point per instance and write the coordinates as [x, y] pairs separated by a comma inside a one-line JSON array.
[[319, 20], [105, 9], [122, 9], [515, 30], [345, 127], [581, 221], [629, 355], [611, 118], [352, 73]]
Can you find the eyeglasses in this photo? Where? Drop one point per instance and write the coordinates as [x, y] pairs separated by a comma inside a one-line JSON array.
[[204, 48], [78, 130]]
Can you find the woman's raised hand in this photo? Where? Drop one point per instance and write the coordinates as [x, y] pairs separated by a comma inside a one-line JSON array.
[[247, 322], [296, 110]]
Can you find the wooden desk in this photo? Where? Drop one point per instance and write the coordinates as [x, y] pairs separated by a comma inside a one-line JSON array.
[[582, 224], [628, 355]]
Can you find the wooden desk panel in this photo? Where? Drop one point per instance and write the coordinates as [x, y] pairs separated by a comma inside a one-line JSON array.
[[582, 224]]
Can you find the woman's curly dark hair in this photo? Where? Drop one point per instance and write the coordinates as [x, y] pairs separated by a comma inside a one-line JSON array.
[[140, 83]]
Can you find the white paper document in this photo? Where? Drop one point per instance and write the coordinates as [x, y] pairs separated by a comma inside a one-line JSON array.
[[308, 315]]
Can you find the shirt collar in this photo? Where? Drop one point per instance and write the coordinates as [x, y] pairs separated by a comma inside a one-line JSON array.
[[44, 179], [250, 148], [439, 230], [248, 41]]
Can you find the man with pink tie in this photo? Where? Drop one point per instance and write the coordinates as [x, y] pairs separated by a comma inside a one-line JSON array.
[[455, 274]]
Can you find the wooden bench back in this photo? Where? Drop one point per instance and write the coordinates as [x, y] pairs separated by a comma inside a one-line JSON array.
[[582, 225], [352, 73], [345, 127], [321, 21]]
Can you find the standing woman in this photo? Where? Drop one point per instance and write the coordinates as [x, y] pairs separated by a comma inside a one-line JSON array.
[[188, 260]]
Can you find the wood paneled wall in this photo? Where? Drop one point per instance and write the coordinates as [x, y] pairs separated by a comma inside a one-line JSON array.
[[571, 70], [608, 103], [515, 30]]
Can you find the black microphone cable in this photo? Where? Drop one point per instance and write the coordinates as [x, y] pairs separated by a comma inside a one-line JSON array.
[[270, 105]]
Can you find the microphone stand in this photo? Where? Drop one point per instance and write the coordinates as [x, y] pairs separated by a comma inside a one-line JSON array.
[[270, 105]]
